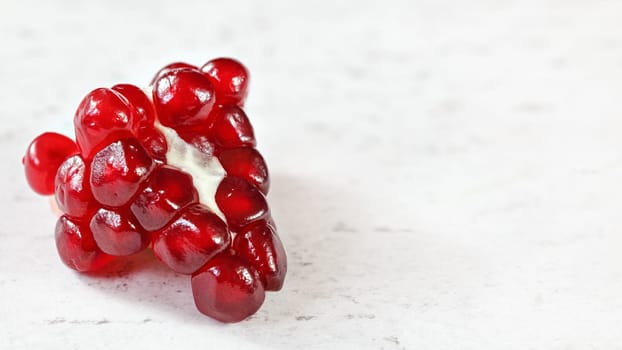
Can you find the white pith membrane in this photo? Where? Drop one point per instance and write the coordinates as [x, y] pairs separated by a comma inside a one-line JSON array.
[[206, 170]]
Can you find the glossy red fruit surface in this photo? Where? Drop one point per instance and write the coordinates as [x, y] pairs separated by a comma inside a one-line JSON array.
[[191, 240], [227, 289], [230, 79], [118, 170], [248, 164], [231, 128], [139, 102], [150, 138], [200, 140], [103, 116], [43, 157], [154, 143], [168, 190], [116, 234], [260, 246], [77, 248], [183, 98], [241, 202], [170, 67], [72, 188]]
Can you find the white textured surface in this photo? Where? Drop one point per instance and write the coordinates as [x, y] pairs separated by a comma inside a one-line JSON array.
[[446, 174], [206, 171]]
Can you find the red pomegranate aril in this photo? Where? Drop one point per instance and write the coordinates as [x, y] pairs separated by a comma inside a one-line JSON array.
[[143, 108], [230, 79], [260, 246], [171, 67], [191, 240], [118, 170], [240, 202], [116, 234], [227, 289], [43, 157], [103, 116], [203, 144], [270, 222], [77, 248], [198, 137], [248, 164], [73, 192], [183, 98], [231, 128], [167, 191], [154, 143]]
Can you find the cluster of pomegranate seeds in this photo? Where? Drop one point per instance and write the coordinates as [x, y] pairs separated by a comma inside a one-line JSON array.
[[173, 168]]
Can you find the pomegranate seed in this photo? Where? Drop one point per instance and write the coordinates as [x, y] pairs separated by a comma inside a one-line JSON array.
[[261, 248], [143, 108], [227, 289], [230, 79], [103, 116], [240, 202], [248, 164], [191, 240], [115, 233], [168, 190], [231, 128], [203, 144], [77, 248], [154, 143], [183, 98], [150, 138], [118, 170], [43, 157], [171, 67], [73, 191], [197, 137]]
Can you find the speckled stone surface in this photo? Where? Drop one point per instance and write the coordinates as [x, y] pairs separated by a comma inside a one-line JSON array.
[[446, 174]]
